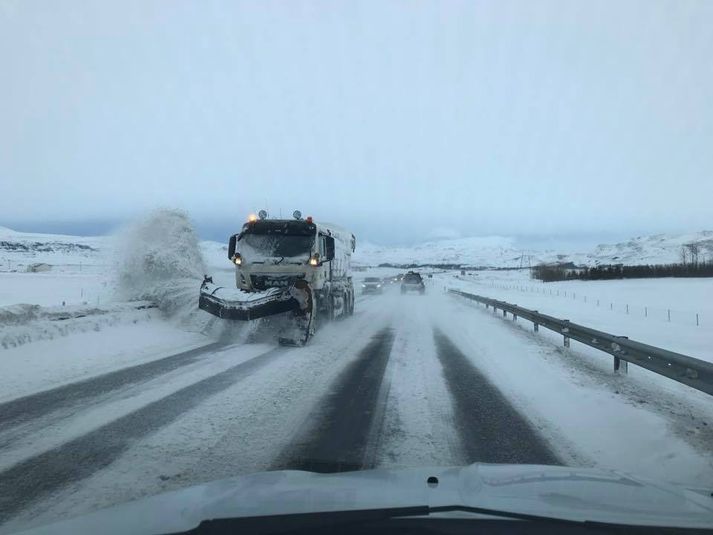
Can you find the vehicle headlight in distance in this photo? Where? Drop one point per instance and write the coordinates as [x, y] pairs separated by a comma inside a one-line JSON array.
[[378, 285]]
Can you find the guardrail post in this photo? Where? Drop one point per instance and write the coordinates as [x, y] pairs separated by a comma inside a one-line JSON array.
[[514, 317], [565, 332], [505, 314], [621, 366], [535, 325]]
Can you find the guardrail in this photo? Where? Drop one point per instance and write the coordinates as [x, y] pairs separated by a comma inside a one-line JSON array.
[[690, 371]]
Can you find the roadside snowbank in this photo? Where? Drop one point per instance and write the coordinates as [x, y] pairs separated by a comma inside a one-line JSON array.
[[637, 308], [22, 324]]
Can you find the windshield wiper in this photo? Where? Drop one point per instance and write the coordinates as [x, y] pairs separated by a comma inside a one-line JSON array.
[[308, 521]]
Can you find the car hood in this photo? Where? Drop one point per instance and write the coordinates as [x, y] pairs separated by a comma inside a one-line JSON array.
[[569, 493]]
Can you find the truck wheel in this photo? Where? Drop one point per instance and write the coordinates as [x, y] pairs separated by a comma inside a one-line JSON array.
[[350, 307], [330, 308]]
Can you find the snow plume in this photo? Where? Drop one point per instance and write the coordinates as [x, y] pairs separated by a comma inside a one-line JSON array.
[[159, 260]]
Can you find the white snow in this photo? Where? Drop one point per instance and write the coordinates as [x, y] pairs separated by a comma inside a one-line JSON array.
[[237, 431], [603, 305], [593, 420], [419, 425], [55, 288], [45, 364], [499, 251], [640, 423], [50, 432]]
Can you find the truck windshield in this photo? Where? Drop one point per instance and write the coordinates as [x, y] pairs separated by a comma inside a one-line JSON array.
[[275, 245]]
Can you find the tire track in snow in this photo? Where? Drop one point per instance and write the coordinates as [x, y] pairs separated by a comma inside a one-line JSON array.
[[345, 418], [38, 476], [27, 408], [419, 427], [491, 430]]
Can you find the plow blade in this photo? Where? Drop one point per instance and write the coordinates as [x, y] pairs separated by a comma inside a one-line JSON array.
[[233, 304]]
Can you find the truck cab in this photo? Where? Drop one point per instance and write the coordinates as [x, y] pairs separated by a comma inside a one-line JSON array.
[[277, 253]]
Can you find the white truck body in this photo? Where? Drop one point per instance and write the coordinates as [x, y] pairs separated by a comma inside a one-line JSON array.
[[286, 265]]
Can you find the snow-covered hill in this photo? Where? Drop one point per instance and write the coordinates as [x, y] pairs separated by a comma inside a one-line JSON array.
[[498, 251], [491, 251], [656, 249], [20, 249]]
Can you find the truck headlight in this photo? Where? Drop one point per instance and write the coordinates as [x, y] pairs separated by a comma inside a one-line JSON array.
[[314, 259], [237, 259]]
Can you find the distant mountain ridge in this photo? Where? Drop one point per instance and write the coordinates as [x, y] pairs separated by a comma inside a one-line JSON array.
[[500, 252], [21, 248], [488, 252]]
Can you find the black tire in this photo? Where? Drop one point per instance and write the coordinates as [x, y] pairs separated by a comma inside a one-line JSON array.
[[350, 308], [330, 308]]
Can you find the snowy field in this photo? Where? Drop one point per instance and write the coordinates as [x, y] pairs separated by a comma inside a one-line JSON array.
[[637, 308], [154, 399], [55, 288]]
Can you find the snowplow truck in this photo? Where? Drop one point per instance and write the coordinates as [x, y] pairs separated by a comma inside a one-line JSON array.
[[297, 270]]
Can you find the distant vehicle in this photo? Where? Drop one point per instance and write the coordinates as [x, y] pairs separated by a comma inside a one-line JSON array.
[[372, 285], [412, 282], [430, 275]]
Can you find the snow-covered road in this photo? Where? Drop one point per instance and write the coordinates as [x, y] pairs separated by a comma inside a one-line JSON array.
[[408, 381]]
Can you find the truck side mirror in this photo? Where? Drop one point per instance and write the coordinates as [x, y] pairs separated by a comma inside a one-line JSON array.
[[231, 246], [329, 252]]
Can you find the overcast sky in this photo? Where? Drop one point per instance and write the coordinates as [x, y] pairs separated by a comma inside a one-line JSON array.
[[398, 119]]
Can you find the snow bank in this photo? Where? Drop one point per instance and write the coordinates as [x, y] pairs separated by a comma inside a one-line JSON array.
[[23, 323]]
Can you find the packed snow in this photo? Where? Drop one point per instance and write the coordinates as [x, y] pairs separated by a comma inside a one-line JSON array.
[[673, 313], [137, 304]]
